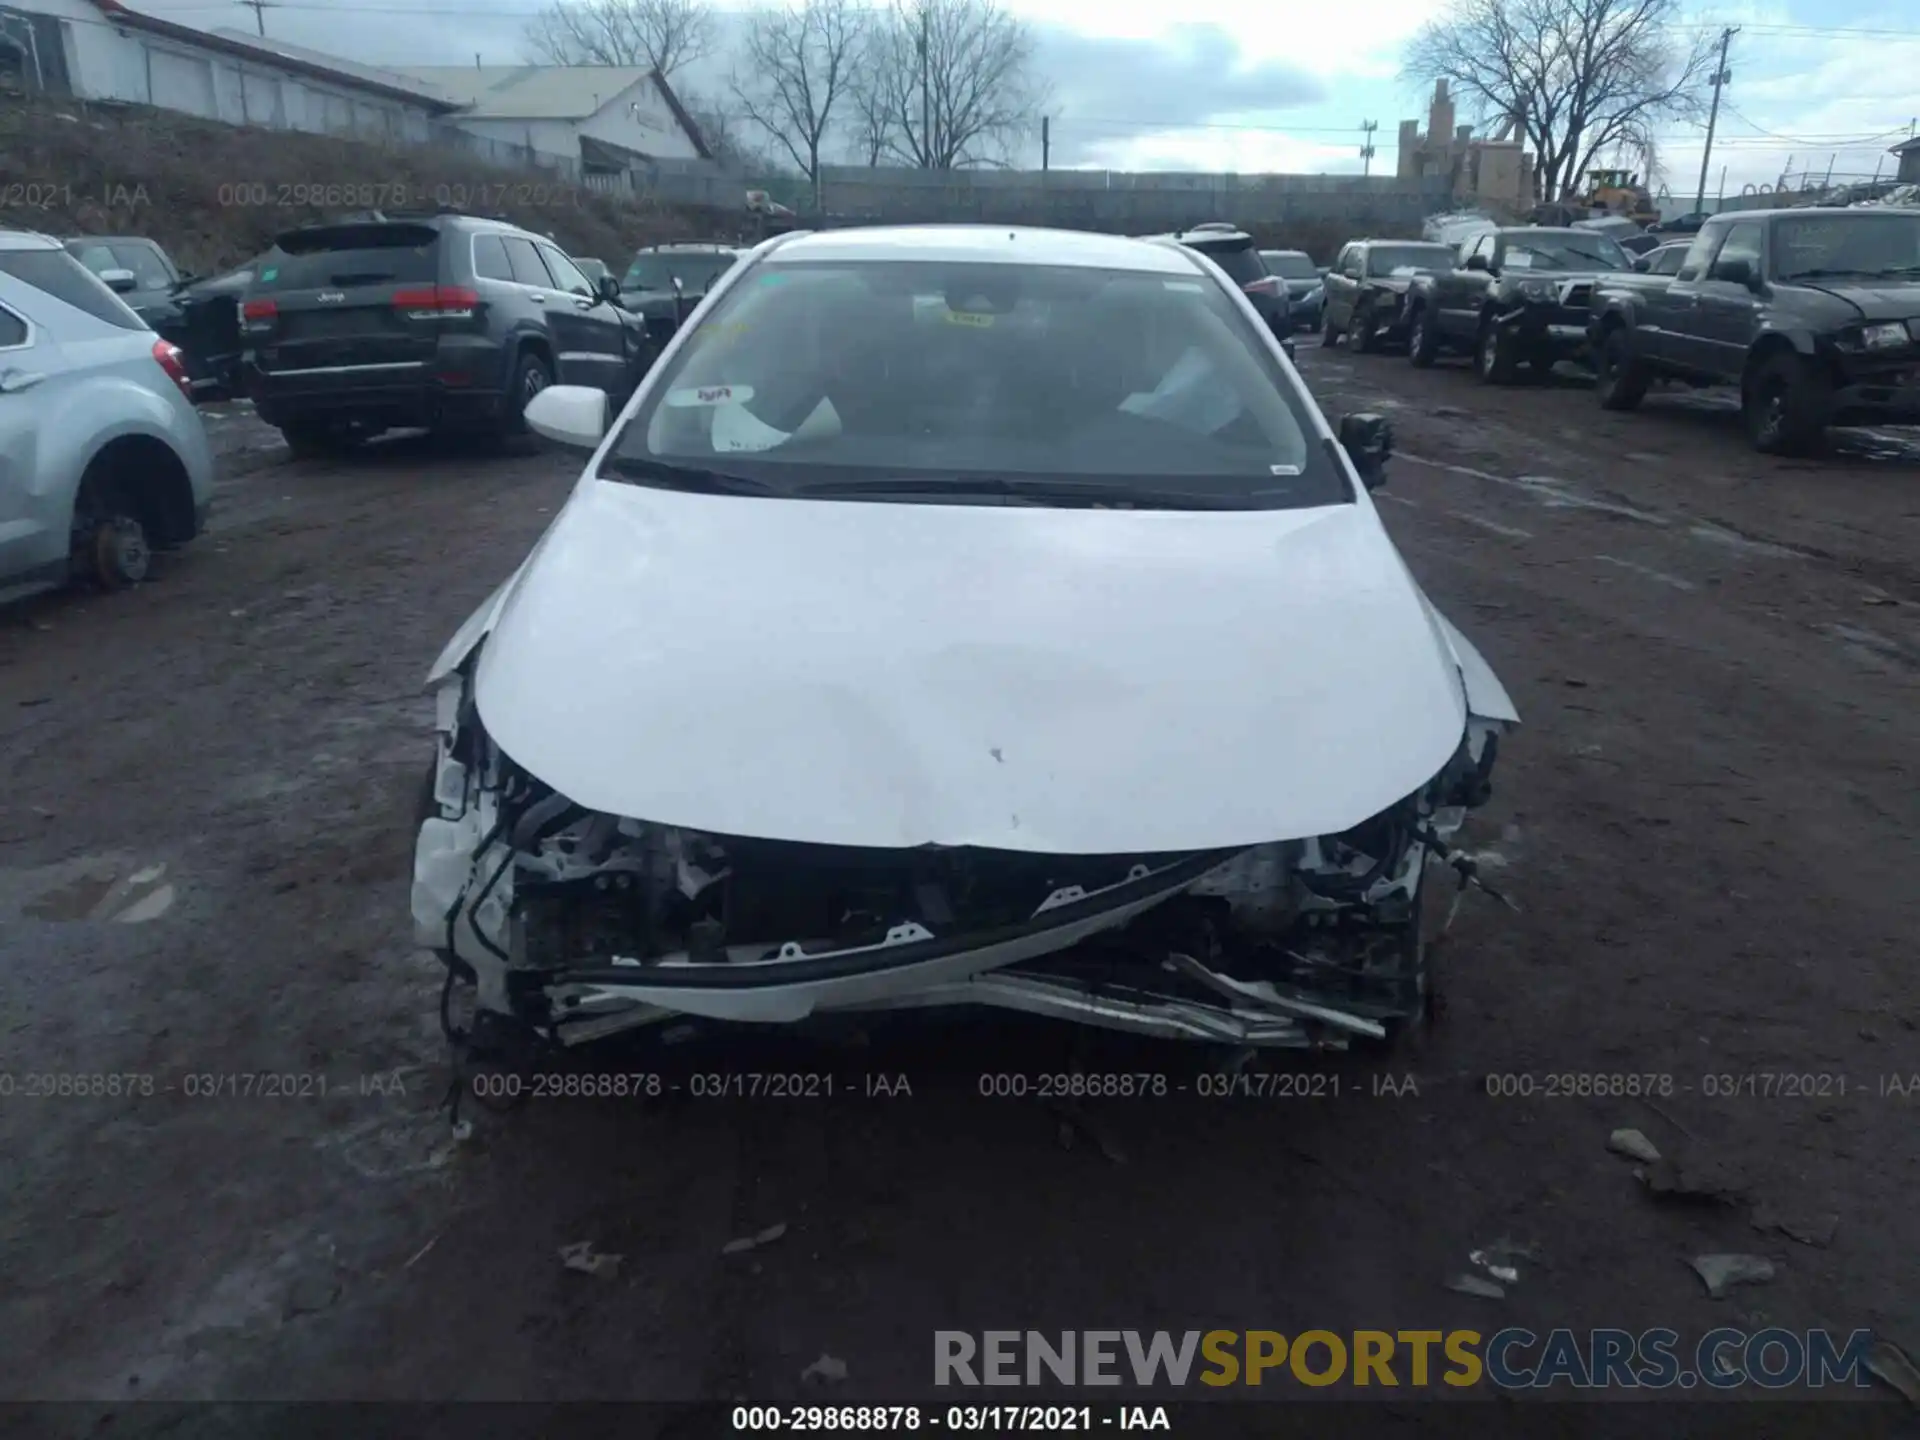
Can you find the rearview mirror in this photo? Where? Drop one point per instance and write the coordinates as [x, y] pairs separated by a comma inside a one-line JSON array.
[[570, 415], [120, 281], [1368, 440]]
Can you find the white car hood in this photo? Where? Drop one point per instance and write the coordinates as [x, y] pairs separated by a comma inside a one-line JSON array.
[[1070, 680]]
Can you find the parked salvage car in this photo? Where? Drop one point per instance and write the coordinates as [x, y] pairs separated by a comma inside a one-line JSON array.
[[1367, 289], [103, 458], [1305, 282], [201, 316], [445, 321], [1518, 301], [664, 283], [1233, 250], [1813, 313], [957, 615]]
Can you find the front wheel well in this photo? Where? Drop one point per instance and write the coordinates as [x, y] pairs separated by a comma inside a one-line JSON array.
[[143, 478]]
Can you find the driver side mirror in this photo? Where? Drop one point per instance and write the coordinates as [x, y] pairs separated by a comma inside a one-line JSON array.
[[608, 288], [1477, 262], [571, 415], [1736, 272], [1642, 264], [1368, 440], [120, 281]]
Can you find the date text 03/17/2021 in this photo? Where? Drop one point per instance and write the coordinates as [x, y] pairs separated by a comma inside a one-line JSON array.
[[958, 1419]]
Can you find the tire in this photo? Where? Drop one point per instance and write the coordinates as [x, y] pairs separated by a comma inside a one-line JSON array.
[[1784, 405], [1494, 362], [1360, 338], [1620, 381], [1423, 341], [531, 375]]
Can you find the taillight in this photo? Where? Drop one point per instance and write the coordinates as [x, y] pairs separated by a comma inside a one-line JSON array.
[[1265, 285], [437, 302], [169, 358], [259, 310]]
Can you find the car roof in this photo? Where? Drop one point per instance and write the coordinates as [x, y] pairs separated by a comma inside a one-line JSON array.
[[1802, 211], [1303, 254], [1205, 235], [704, 246], [111, 240], [988, 244], [28, 240]]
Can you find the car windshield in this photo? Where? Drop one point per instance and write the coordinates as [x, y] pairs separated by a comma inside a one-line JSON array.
[[932, 379], [1882, 246], [656, 269], [1290, 265], [1403, 260], [1564, 252]]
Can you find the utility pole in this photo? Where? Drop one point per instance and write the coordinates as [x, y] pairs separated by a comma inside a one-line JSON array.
[[1046, 141], [1720, 77], [1367, 127], [260, 8], [926, 90]]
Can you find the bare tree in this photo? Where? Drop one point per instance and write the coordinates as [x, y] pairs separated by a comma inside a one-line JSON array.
[[794, 69], [950, 83], [663, 35], [730, 138], [1579, 76]]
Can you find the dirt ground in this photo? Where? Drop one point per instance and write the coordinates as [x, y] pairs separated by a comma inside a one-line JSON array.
[[1708, 824]]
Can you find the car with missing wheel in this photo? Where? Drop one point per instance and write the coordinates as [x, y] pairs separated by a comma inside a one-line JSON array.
[[1518, 301], [1812, 313], [442, 321], [1367, 288], [103, 458], [956, 616]]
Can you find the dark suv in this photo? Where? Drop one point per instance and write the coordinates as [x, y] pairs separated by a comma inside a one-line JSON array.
[[1234, 252], [647, 287], [446, 321]]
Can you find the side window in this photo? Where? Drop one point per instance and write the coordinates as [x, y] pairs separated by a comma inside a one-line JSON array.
[[1667, 262], [566, 274], [525, 262], [1700, 252], [149, 266], [13, 330], [490, 258], [1743, 243], [97, 258], [1481, 245]]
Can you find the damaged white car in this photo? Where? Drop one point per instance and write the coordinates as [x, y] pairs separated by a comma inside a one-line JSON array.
[[957, 616]]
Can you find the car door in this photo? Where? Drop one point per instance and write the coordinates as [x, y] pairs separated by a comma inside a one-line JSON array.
[[1727, 314], [1675, 311], [1343, 283], [1458, 291], [31, 536], [589, 336]]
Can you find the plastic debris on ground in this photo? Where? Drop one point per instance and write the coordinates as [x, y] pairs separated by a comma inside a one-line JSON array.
[[826, 1368], [1892, 1364], [1722, 1272], [583, 1257], [1635, 1146], [1474, 1285], [754, 1242]]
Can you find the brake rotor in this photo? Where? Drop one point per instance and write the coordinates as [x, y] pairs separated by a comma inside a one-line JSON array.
[[119, 552]]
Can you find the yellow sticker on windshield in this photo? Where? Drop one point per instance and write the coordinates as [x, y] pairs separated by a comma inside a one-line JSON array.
[[970, 318]]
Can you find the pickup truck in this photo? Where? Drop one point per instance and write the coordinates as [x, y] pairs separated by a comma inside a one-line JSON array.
[[1813, 313], [1518, 298]]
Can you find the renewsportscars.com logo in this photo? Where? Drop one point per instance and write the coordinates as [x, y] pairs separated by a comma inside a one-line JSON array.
[[1510, 1359]]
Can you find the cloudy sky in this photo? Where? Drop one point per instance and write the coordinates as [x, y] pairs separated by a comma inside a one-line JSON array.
[[1235, 85]]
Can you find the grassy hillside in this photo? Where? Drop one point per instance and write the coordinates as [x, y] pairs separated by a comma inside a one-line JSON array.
[[216, 194]]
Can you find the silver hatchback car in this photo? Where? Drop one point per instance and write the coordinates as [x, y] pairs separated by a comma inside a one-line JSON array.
[[103, 458]]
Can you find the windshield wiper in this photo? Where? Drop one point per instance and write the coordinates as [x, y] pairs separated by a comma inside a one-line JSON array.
[[689, 478], [1101, 495]]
